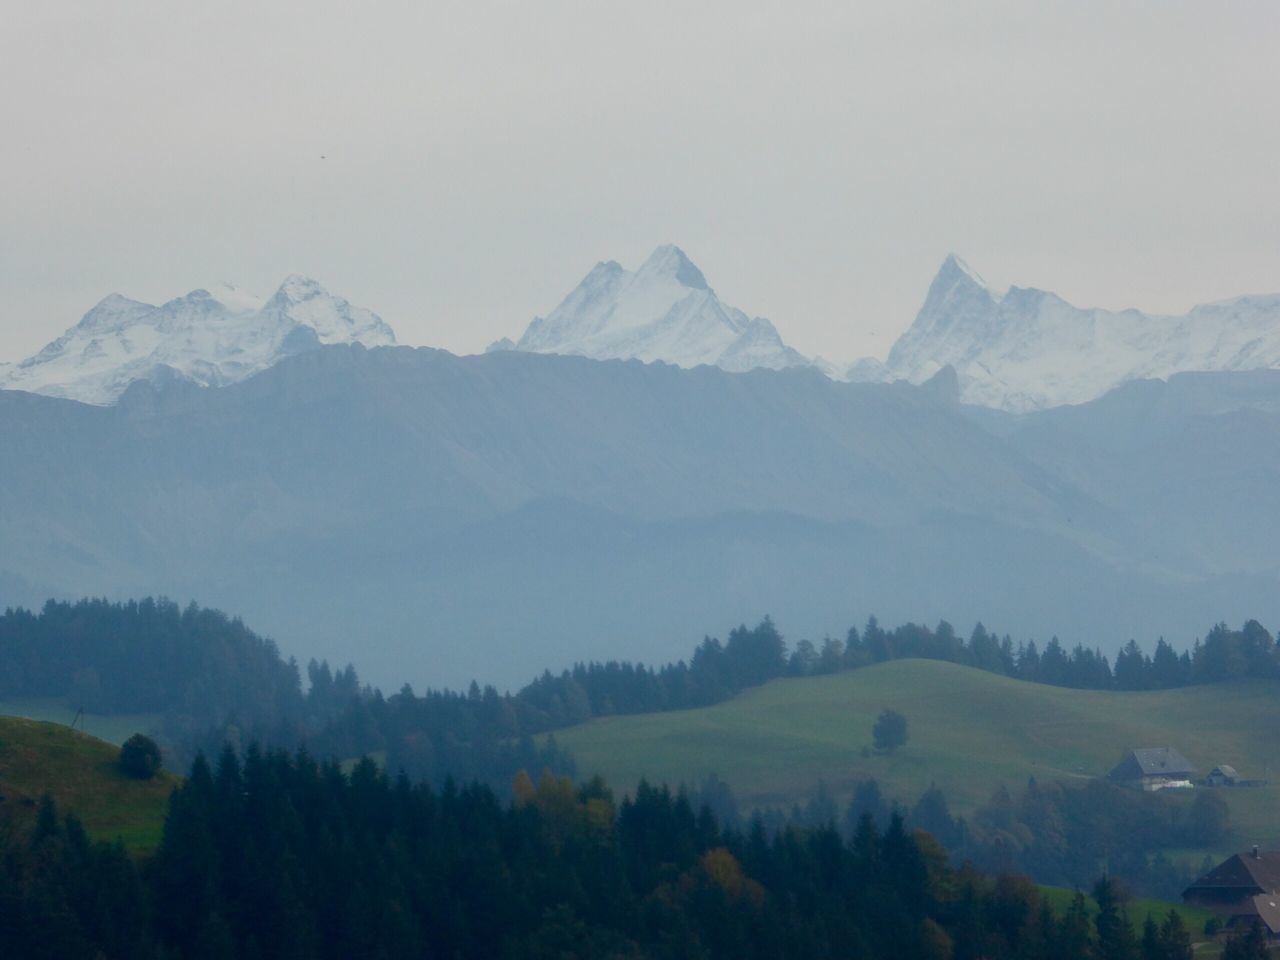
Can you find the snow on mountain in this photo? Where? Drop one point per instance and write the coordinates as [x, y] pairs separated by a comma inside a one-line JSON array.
[[663, 311], [867, 370], [211, 337], [1028, 349]]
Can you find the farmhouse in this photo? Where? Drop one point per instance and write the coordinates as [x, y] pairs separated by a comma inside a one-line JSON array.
[[1223, 776], [1153, 768], [1242, 888]]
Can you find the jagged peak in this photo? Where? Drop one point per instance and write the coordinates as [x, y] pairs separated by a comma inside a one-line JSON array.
[[116, 300], [605, 268], [109, 308], [955, 270], [297, 287], [669, 260], [213, 336]]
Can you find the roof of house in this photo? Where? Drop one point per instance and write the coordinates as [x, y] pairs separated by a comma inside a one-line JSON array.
[[1152, 762], [1245, 872], [1225, 771], [1266, 907]]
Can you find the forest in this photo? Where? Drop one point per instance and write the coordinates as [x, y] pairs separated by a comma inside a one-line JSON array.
[[1061, 833], [213, 681], [279, 855]]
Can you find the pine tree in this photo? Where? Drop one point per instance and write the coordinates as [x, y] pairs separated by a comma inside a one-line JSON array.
[[1115, 939], [1175, 940], [1251, 945]]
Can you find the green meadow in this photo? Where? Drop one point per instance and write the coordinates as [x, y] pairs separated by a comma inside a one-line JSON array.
[[81, 773], [970, 732]]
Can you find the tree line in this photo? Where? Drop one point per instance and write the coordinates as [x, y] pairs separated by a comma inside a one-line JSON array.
[[213, 680], [279, 855], [1062, 833], [421, 733]]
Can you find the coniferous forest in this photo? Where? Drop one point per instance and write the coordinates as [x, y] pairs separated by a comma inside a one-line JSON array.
[[281, 856]]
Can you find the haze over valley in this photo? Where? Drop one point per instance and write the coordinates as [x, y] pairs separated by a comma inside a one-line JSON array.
[[495, 511]]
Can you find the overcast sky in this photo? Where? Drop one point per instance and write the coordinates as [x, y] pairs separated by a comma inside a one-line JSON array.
[[817, 161]]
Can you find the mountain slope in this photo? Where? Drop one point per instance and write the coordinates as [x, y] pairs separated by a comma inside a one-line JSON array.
[[1029, 349], [1192, 461], [664, 311], [208, 337], [83, 777], [437, 518]]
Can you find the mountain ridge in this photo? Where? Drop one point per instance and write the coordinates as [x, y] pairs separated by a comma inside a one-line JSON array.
[[516, 508], [1028, 349], [210, 337], [664, 311]]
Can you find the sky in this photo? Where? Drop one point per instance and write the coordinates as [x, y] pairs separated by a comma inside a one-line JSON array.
[[458, 167]]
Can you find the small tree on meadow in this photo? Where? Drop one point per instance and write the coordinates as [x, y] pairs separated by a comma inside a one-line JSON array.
[[140, 757], [890, 731]]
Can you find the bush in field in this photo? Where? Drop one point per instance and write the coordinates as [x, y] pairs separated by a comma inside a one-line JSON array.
[[140, 757]]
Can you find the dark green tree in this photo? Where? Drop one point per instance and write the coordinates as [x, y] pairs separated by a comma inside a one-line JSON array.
[[1152, 947], [140, 757], [1207, 819], [890, 731], [1115, 940], [1175, 939], [1251, 945]]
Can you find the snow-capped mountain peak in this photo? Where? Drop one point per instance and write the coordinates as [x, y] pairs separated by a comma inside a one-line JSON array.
[[663, 311], [1027, 349], [954, 271], [334, 320], [235, 299], [670, 262], [209, 336]]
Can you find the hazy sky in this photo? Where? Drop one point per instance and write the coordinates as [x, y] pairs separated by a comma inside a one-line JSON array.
[[817, 161]]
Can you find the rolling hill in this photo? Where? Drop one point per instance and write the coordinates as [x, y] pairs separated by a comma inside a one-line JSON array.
[[969, 732], [81, 774]]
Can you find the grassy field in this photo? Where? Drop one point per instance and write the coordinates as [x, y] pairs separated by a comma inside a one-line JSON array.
[[81, 774], [113, 728], [969, 731], [1138, 909]]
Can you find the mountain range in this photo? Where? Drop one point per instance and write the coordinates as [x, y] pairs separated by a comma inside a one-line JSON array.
[[440, 517], [1027, 349], [436, 517], [210, 337], [1019, 350]]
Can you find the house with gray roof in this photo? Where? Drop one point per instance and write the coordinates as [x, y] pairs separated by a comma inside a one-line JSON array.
[[1153, 768], [1243, 888], [1223, 775]]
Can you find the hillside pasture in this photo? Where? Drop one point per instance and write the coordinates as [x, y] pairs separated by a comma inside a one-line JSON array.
[[969, 732]]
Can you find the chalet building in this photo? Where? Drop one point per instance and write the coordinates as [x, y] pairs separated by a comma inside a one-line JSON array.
[[1223, 776], [1153, 768], [1243, 888]]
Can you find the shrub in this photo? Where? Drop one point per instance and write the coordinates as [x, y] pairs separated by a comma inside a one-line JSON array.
[[140, 757], [890, 731]]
